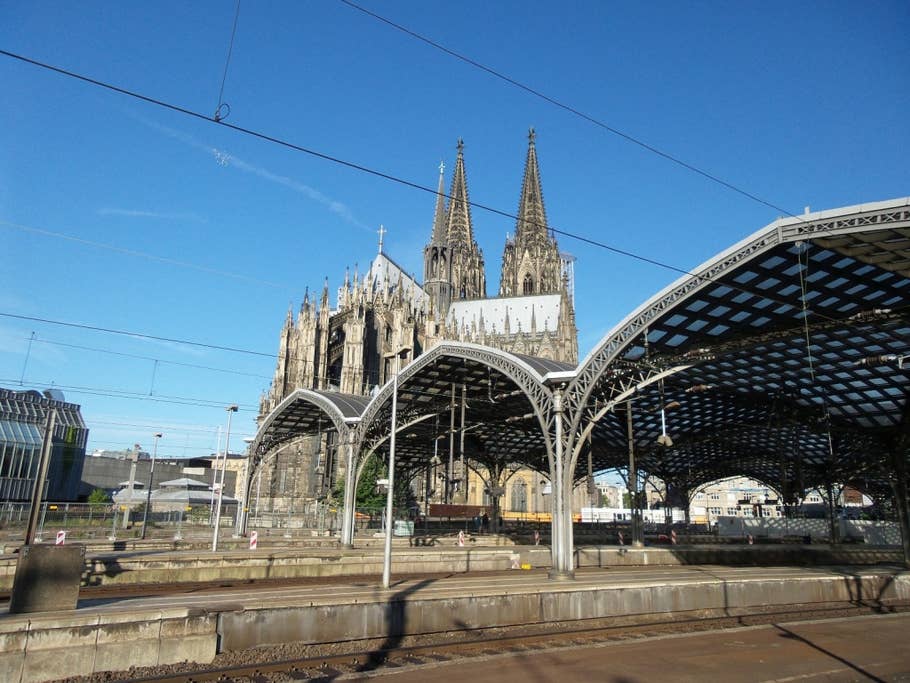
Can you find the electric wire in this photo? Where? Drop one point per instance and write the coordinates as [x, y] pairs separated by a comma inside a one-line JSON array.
[[383, 175], [143, 254], [572, 110], [141, 335], [157, 360], [374, 172], [221, 103], [169, 428], [327, 157], [139, 396], [389, 177]]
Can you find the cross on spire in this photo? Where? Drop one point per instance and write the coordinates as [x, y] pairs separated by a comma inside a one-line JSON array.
[[382, 231], [442, 167]]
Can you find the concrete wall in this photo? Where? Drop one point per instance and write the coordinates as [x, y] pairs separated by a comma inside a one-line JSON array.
[[49, 647], [405, 614]]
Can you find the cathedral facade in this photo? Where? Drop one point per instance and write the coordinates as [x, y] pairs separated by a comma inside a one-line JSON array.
[[384, 313]]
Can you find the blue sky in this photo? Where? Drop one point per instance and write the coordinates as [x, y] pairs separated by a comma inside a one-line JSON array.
[[119, 214]]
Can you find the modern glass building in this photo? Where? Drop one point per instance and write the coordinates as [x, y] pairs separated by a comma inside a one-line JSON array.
[[22, 419]]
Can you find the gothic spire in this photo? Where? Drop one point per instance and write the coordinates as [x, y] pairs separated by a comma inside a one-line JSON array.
[[458, 222], [439, 218], [532, 218]]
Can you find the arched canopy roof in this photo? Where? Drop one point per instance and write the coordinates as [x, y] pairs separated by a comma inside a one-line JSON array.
[[792, 336], [307, 412], [506, 407]]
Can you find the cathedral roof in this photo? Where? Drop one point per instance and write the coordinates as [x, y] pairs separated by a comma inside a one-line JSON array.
[[384, 270], [491, 314]]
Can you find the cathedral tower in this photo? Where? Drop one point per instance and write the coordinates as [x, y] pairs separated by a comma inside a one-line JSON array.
[[453, 263], [437, 272], [530, 260]]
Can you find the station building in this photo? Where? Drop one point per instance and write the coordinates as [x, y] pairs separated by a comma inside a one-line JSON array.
[[22, 421]]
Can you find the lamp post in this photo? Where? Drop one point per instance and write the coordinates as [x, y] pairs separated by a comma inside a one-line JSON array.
[[387, 555], [148, 493], [231, 409], [240, 528]]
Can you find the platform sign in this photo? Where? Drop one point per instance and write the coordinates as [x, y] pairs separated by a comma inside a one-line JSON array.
[[61, 538], [254, 540]]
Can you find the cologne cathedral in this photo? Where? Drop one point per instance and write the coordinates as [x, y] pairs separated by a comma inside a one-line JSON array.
[[350, 346]]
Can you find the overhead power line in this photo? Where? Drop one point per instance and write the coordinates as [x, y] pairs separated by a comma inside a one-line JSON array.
[[143, 254], [566, 107], [327, 157], [139, 396], [151, 358], [400, 181], [141, 335]]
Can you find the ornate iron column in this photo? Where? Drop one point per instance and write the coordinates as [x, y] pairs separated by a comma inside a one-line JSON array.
[[350, 495]]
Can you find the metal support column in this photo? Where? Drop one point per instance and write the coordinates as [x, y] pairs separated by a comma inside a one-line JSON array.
[[563, 564], [350, 497]]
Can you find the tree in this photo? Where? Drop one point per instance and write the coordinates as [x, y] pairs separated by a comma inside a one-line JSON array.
[[368, 496], [98, 498]]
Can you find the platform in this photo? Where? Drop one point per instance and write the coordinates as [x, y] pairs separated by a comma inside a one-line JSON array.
[[152, 564], [117, 634]]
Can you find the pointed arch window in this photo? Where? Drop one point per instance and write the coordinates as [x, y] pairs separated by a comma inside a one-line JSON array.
[[527, 285]]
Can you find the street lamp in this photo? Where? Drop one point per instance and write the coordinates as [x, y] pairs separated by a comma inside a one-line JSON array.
[[231, 409], [148, 493], [240, 529], [387, 555]]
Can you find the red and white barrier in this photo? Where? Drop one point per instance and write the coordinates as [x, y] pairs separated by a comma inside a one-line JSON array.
[[254, 540], [749, 539], [621, 541], [61, 538], [673, 537], [461, 539], [536, 537]]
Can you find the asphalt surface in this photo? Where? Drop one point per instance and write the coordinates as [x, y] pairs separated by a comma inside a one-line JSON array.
[[870, 648]]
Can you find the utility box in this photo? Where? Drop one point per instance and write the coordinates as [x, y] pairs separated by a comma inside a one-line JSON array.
[[47, 578]]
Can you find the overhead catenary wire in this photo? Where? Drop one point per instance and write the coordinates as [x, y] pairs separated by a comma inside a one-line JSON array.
[[151, 358], [389, 177], [143, 254], [374, 172], [136, 395], [566, 107], [336, 160], [219, 114]]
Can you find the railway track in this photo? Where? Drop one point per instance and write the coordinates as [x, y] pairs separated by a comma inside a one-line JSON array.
[[332, 660]]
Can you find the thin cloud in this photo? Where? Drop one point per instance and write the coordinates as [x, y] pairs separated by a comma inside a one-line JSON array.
[[225, 159], [158, 215]]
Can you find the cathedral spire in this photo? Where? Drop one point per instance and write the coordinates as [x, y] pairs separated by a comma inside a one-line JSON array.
[[439, 217], [532, 217], [458, 221]]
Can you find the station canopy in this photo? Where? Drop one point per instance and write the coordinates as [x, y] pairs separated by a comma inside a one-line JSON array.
[[781, 359], [790, 349], [460, 398]]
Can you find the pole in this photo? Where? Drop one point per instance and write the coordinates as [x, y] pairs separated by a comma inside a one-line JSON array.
[[215, 477], [240, 528], [387, 555], [38, 490], [148, 493], [227, 447], [633, 482], [450, 472], [350, 497], [134, 458]]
